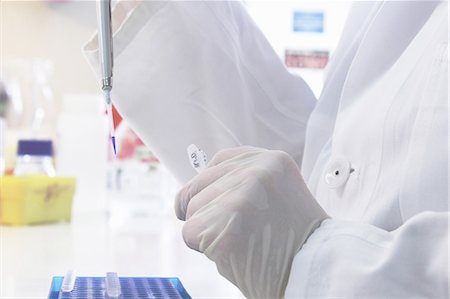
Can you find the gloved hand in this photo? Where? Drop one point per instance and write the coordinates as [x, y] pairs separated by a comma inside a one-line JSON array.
[[250, 212]]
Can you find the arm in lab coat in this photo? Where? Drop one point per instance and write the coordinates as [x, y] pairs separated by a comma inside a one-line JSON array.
[[202, 72], [355, 260]]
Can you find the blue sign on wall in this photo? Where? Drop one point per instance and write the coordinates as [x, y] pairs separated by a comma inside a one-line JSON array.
[[305, 21]]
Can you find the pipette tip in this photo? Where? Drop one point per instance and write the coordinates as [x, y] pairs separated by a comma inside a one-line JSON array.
[[113, 140]]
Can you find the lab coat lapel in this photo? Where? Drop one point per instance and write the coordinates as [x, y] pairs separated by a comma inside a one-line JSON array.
[[386, 39], [368, 94], [374, 59]]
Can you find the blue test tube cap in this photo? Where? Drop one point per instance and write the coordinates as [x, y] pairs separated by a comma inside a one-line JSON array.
[[35, 147]]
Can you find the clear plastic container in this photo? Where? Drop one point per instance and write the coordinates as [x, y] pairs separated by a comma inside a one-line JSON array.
[[35, 157]]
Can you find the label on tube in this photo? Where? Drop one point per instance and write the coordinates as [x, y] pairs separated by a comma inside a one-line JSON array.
[[197, 157]]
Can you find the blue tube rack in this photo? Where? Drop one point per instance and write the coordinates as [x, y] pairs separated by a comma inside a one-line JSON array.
[[131, 288]]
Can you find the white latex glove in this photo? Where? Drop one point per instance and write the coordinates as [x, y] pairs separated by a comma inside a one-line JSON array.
[[250, 212]]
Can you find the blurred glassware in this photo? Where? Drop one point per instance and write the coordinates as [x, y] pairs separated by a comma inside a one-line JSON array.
[[35, 157], [29, 108], [44, 107], [138, 186], [4, 102], [2, 145]]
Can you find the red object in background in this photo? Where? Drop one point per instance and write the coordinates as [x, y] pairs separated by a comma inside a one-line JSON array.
[[128, 145], [306, 59], [117, 118], [129, 142]]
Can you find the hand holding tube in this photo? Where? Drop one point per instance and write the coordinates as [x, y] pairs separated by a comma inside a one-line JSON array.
[[250, 212]]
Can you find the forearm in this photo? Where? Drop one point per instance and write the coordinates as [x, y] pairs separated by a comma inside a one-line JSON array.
[[357, 260], [201, 72]]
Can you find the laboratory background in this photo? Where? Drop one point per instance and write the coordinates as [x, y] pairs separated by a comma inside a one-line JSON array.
[[66, 201]]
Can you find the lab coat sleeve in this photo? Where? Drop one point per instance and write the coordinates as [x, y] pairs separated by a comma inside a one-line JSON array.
[[201, 72], [349, 260]]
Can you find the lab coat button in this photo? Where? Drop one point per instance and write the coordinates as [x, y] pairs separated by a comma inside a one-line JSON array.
[[337, 172]]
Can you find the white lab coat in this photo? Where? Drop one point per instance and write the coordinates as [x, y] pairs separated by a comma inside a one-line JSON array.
[[373, 149]]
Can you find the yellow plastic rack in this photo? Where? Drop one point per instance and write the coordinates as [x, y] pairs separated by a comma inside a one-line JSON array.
[[35, 199]]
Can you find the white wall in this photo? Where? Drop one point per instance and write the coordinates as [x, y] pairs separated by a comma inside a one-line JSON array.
[[275, 20], [55, 31]]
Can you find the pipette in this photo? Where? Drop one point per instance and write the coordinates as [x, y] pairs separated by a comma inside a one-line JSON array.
[[106, 58]]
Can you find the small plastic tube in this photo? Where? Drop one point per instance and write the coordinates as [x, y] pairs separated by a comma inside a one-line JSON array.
[[113, 289], [68, 282], [197, 157]]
